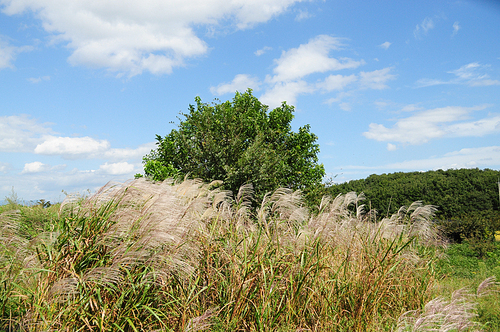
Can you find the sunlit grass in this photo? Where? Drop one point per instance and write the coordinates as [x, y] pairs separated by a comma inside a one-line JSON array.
[[187, 257]]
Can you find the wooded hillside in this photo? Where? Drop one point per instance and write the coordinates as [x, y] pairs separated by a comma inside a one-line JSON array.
[[455, 192]]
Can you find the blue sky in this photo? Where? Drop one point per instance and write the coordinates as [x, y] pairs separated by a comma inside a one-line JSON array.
[[387, 86]]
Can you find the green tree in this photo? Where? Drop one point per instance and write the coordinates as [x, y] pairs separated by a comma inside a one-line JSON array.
[[238, 142]]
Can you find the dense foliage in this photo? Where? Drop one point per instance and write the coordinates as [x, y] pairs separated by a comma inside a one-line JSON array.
[[238, 142], [455, 191], [468, 199]]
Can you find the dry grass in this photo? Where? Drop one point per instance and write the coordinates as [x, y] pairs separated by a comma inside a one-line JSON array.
[[189, 257]]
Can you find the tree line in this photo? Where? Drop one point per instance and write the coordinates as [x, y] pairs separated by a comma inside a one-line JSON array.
[[455, 191]]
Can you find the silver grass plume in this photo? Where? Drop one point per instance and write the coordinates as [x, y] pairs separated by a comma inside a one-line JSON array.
[[202, 322], [442, 315]]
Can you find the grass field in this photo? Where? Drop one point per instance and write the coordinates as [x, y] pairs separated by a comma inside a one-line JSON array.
[[188, 257]]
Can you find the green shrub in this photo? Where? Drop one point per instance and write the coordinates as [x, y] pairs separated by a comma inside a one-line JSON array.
[[476, 228]]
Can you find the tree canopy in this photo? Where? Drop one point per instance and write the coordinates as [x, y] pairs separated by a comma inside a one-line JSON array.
[[238, 141]]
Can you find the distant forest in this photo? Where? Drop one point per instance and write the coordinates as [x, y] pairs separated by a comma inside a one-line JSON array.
[[456, 192]]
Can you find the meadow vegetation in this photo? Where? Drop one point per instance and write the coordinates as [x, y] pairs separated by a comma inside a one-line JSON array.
[[190, 256], [268, 248]]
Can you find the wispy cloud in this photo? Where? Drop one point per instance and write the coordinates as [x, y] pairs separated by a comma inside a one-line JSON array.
[[240, 83], [336, 82], [36, 80], [303, 15], [472, 74], [456, 27], [262, 50], [21, 133], [376, 79], [421, 127], [385, 45], [8, 53], [482, 157], [464, 158], [422, 28]]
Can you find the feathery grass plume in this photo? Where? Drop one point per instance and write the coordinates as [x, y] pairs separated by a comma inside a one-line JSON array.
[[202, 322], [456, 314], [486, 286], [413, 221], [161, 255]]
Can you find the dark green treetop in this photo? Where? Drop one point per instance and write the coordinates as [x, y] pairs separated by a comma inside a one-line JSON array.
[[238, 142]]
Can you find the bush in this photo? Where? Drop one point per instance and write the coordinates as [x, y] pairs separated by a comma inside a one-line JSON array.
[[478, 226]]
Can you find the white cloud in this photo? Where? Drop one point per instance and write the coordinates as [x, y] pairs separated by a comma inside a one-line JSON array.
[[131, 36], [8, 53], [240, 83], [35, 167], [465, 158], [309, 58], [48, 184], [466, 72], [385, 45], [35, 80], [481, 157], [262, 50], [426, 25], [376, 79], [72, 147], [289, 79], [4, 167], [472, 74], [285, 91], [38, 167], [303, 15], [295, 64], [381, 104], [479, 128], [345, 107], [425, 82], [128, 153], [340, 96], [435, 123], [21, 133], [411, 108], [391, 147], [336, 82], [456, 27], [117, 168]]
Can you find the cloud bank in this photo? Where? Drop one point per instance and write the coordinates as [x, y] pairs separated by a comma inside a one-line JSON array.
[[129, 36]]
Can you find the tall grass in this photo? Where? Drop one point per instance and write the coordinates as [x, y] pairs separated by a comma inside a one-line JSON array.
[[184, 256]]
